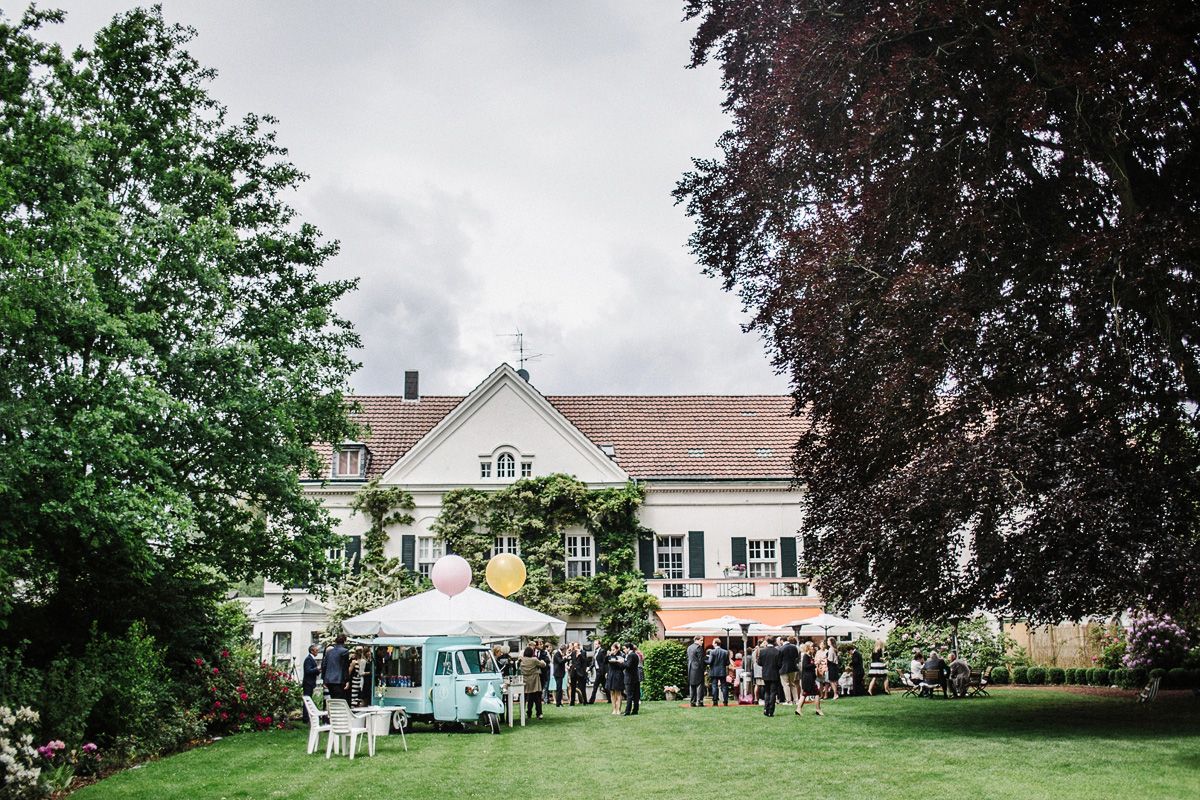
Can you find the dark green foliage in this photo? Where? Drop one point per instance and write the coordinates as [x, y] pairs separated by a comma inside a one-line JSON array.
[[978, 641], [1056, 675], [1020, 675], [382, 507], [1100, 677], [666, 665], [243, 693], [1036, 675], [970, 240], [169, 353], [1138, 677], [1000, 676], [1069, 675], [1178, 678], [541, 511], [1158, 672], [1119, 677]]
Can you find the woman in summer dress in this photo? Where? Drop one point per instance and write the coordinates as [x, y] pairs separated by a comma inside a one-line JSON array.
[[808, 680], [878, 671]]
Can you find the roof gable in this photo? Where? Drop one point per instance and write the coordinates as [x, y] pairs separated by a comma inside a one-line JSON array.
[[504, 413]]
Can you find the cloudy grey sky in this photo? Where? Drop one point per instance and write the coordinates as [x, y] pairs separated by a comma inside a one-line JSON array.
[[491, 167]]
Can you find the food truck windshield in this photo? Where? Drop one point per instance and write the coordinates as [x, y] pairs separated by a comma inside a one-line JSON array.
[[475, 662]]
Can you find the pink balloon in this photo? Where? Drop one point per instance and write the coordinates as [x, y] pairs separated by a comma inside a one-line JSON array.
[[450, 575]]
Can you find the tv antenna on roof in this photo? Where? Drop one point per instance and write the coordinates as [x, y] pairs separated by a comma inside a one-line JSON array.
[[523, 357]]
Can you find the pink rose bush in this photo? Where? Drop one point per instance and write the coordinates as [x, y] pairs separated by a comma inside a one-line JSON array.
[[245, 693]]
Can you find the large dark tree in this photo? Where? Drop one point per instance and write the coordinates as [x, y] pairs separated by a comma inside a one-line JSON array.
[[971, 234], [168, 353]]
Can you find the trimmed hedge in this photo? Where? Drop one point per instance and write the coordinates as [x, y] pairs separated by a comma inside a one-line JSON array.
[[1119, 677], [1056, 676], [1069, 675], [1020, 675], [666, 665], [1100, 677], [1036, 675], [1000, 676], [1158, 672], [1138, 678], [1178, 678]]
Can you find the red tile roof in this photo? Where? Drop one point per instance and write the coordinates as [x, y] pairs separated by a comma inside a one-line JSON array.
[[690, 436], [675, 436]]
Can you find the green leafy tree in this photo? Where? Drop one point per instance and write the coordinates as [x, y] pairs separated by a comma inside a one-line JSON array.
[[168, 353], [970, 234]]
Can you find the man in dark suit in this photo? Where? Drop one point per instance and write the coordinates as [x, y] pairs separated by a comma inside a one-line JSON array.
[[560, 673], [768, 659], [934, 662], [695, 671], [718, 669], [633, 680], [309, 683], [542, 654], [856, 669], [579, 671], [601, 659], [789, 670], [337, 670]]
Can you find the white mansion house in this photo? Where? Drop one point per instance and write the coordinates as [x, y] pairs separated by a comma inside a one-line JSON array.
[[716, 470]]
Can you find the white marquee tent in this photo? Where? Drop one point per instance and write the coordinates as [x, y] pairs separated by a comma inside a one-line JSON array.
[[473, 612]]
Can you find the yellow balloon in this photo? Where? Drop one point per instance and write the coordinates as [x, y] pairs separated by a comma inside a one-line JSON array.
[[505, 574]]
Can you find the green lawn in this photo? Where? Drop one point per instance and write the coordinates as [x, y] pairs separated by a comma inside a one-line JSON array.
[[1018, 743]]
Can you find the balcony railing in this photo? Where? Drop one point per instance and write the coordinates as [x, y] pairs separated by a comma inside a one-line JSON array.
[[735, 589], [789, 589], [682, 590]]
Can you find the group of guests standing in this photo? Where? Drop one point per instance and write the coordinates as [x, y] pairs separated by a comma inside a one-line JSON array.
[[619, 673], [783, 671]]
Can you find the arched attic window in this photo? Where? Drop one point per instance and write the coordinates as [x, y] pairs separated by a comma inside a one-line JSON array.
[[506, 466]]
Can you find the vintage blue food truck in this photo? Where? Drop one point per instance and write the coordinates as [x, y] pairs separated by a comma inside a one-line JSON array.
[[437, 679]]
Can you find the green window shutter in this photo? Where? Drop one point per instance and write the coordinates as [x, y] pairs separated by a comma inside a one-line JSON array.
[[646, 556], [787, 557], [737, 550], [408, 551], [354, 553], [696, 554]]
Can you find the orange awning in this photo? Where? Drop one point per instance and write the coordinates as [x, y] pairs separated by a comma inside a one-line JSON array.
[[771, 617]]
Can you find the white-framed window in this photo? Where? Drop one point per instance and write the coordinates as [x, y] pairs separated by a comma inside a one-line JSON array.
[[506, 544], [485, 469], [348, 463], [526, 469], [580, 563], [506, 466], [281, 643], [761, 555], [669, 558], [429, 550]]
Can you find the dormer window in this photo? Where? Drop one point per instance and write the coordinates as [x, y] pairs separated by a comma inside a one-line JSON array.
[[349, 462], [506, 466]]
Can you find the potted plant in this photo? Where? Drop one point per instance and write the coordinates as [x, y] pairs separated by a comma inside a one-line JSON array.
[[735, 571], [671, 692]]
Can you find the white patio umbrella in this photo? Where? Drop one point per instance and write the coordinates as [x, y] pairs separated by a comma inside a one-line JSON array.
[[725, 623], [828, 622]]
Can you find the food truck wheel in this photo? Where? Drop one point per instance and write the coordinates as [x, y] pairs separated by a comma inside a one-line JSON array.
[[493, 721], [399, 721]]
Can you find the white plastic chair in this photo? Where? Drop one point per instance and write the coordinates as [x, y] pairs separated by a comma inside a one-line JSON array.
[[345, 725], [315, 728]]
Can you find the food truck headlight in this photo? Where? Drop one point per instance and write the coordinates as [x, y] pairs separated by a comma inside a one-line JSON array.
[[472, 690]]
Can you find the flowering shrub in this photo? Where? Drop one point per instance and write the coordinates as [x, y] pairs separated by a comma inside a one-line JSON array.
[[1106, 645], [18, 760], [1155, 641], [245, 693], [978, 643], [62, 765]]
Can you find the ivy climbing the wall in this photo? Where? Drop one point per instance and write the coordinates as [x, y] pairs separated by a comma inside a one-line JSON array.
[[541, 512]]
